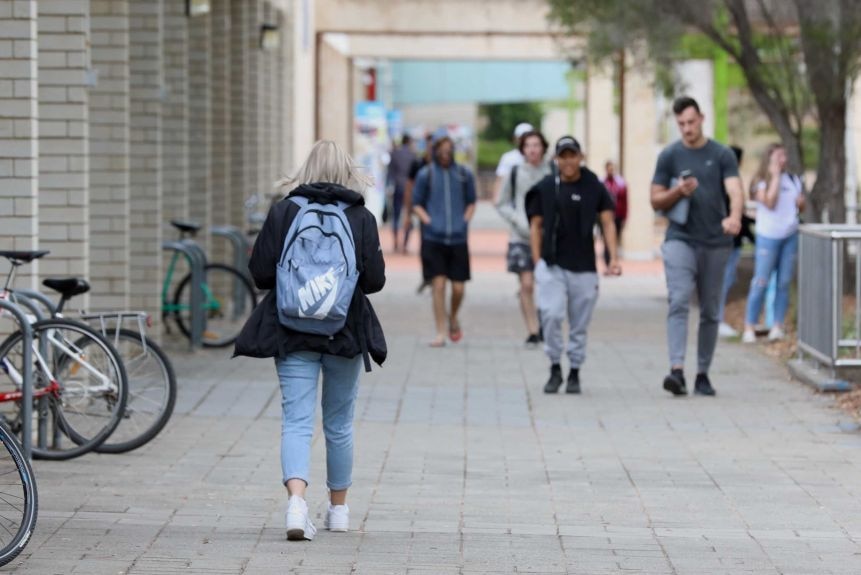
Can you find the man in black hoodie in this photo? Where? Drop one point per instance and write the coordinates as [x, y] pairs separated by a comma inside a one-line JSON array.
[[563, 209]]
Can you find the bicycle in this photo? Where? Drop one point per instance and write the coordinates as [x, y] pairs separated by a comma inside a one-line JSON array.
[[151, 378], [229, 296], [19, 501], [80, 384]]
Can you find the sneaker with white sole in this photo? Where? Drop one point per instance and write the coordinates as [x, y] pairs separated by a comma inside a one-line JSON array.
[[299, 526], [726, 330], [749, 336], [776, 334], [338, 518]]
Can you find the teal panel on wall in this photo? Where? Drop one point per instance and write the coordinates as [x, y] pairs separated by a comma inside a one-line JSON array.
[[441, 82]]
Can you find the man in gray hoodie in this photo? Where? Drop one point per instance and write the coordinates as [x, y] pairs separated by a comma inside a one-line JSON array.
[[444, 200]]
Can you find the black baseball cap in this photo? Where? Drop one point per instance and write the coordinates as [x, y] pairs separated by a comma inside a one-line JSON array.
[[567, 143]]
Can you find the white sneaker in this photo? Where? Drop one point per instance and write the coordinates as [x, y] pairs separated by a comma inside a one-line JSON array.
[[749, 336], [338, 518], [776, 334], [299, 526], [726, 330]]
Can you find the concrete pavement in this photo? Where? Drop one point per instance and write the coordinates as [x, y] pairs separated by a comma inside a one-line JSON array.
[[464, 466]]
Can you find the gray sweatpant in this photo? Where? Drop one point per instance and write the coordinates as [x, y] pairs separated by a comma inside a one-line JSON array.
[[687, 267], [563, 293]]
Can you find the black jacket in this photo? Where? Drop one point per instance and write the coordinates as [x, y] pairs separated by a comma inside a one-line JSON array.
[[264, 336]]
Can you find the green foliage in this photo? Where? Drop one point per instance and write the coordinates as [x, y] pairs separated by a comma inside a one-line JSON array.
[[502, 118], [489, 152]]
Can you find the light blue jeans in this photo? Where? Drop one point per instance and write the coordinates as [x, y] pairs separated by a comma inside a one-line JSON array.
[[299, 373], [772, 255]]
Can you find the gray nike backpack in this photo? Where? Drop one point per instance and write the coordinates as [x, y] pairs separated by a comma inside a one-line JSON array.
[[317, 272]]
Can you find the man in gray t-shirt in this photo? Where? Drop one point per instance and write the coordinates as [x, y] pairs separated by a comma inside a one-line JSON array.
[[691, 178]]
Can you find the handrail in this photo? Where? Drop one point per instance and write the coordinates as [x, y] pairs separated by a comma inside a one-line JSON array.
[[26, 375]]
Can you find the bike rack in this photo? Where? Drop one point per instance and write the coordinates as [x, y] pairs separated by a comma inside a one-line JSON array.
[[241, 247], [27, 375], [26, 299], [197, 262]]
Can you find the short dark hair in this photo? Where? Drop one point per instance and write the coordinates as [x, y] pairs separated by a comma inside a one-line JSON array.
[[532, 134], [440, 141], [406, 140], [682, 103]]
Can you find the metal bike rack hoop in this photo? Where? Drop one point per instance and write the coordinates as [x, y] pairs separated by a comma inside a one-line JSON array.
[[27, 376], [197, 262]]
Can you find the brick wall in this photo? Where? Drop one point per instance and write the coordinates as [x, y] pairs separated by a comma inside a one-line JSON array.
[[19, 130], [109, 155], [220, 89], [200, 117], [63, 137], [239, 103], [145, 66], [175, 121]]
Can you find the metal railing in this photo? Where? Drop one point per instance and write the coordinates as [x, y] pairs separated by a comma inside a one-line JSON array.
[[829, 313], [197, 263], [27, 375]]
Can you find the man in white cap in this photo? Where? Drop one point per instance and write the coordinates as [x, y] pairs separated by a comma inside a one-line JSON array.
[[510, 158]]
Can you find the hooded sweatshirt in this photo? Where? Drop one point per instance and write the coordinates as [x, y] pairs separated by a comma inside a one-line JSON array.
[[445, 193], [263, 335]]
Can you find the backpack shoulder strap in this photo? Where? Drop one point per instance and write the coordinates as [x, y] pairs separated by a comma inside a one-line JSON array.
[[513, 183]]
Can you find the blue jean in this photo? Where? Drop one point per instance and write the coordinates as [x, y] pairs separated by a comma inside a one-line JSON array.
[[299, 373], [729, 276], [772, 255]]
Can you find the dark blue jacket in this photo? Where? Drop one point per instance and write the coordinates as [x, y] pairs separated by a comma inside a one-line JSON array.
[[445, 193]]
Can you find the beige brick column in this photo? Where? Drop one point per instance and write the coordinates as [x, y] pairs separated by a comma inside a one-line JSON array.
[[175, 111], [63, 138], [220, 47], [281, 99], [109, 155], [256, 117], [602, 124], [640, 150], [199, 125], [240, 40], [267, 96], [146, 72], [19, 132]]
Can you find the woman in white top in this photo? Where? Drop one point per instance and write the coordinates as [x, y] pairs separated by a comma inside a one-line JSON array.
[[779, 198]]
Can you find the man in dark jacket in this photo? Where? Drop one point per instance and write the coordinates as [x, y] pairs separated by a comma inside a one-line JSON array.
[[563, 209], [263, 335], [444, 200]]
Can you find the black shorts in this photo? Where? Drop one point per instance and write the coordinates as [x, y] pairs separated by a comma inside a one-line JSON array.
[[519, 258], [444, 260]]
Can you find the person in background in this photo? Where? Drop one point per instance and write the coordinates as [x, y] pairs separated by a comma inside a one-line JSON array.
[[618, 189], [444, 200], [724, 329], [779, 198], [692, 177], [402, 159], [563, 209], [510, 158], [420, 162], [511, 205]]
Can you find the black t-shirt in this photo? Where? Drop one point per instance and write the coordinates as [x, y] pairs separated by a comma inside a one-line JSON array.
[[575, 246]]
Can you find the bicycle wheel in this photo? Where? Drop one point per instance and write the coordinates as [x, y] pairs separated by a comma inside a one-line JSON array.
[[19, 501], [152, 392], [87, 383], [230, 301]]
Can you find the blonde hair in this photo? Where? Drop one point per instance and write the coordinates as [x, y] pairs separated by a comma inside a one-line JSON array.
[[327, 162]]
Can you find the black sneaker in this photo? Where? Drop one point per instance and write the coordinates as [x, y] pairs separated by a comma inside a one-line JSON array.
[[702, 386], [675, 382], [573, 385], [555, 382], [532, 340]]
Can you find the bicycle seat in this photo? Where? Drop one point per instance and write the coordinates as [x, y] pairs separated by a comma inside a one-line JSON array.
[[68, 287], [186, 227], [19, 257]]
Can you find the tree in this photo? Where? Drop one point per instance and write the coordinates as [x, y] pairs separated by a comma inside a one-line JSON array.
[[502, 118], [799, 57]]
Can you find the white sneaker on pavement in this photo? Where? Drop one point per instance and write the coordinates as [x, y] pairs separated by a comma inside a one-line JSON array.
[[776, 334], [338, 518], [726, 330], [749, 336], [299, 526]]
